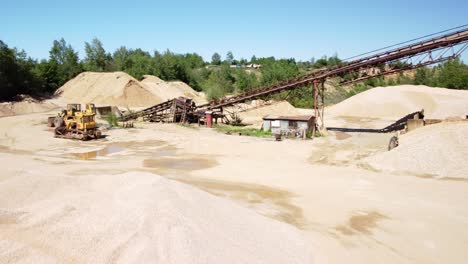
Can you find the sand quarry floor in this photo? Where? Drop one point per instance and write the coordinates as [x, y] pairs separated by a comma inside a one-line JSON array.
[[165, 193], [172, 194]]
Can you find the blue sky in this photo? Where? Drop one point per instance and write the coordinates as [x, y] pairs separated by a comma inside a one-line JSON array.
[[284, 29]]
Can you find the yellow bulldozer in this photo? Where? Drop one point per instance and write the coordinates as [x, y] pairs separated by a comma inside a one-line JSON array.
[[73, 123]]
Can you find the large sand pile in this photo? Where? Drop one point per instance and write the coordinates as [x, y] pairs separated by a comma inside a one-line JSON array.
[[440, 150], [120, 89], [396, 101], [170, 90], [134, 218], [26, 106], [108, 88]]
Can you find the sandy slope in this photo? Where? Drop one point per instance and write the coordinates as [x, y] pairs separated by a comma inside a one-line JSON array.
[[107, 88], [120, 89], [170, 90], [396, 101], [56, 208], [133, 217], [440, 150], [25, 107]]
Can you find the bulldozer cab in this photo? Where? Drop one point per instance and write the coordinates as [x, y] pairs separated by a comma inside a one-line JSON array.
[[73, 108], [90, 108]]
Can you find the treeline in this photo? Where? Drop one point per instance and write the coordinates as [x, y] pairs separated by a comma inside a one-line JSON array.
[[452, 74], [20, 74]]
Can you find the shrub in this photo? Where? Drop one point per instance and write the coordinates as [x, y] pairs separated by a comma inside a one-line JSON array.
[[112, 120]]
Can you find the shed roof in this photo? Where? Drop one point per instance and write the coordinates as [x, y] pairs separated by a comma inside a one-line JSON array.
[[290, 118]]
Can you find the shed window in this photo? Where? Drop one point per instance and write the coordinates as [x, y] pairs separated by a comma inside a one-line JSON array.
[[292, 124], [275, 123]]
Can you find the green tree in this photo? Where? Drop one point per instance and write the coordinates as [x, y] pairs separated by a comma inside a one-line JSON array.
[[168, 66], [140, 63], [229, 57], [453, 74], [192, 60], [275, 71], [217, 85], [17, 74], [244, 81], [423, 76], [66, 61], [216, 59], [122, 59], [220, 82], [320, 63], [49, 73], [253, 59], [333, 60], [96, 57]]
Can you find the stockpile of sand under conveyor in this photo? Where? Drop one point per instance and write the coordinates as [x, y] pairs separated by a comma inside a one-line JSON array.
[[135, 217], [436, 150], [107, 88], [394, 102]]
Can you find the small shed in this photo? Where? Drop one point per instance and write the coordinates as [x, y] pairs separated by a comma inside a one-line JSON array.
[[293, 125]]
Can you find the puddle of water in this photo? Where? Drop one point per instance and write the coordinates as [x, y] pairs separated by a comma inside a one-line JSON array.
[[141, 146], [270, 202], [165, 152], [362, 223], [165, 164], [99, 153]]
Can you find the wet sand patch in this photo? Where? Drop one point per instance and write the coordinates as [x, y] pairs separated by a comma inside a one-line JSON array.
[[438, 178], [165, 152], [167, 165], [270, 202], [362, 222], [9, 218], [8, 150], [342, 135], [139, 146]]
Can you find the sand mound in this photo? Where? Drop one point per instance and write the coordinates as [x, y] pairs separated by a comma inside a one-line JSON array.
[[170, 90], [120, 89], [396, 101], [108, 88], [26, 106], [152, 79], [134, 218], [440, 149], [253, 113]]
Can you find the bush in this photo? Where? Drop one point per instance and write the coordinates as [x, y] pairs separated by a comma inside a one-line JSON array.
[[235, 119], [112, 120]]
